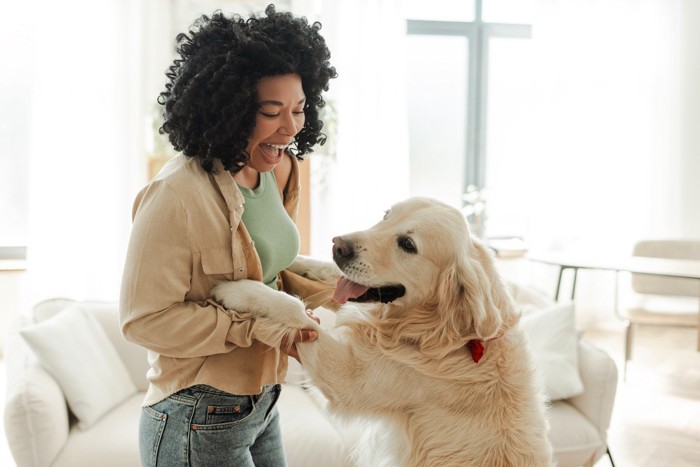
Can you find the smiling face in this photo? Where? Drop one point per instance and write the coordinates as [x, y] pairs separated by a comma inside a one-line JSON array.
[[401, 258], [280, 117]]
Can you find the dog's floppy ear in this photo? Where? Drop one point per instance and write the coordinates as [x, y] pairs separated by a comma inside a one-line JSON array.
[[472, 293]]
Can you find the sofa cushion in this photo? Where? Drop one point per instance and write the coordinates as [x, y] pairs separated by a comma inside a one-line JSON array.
[[113, 441], [74, 348], [36, 417], [134, 357], [574, 438], [554, 344]]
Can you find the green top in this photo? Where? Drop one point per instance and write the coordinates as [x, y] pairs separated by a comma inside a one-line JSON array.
[[275, 235]]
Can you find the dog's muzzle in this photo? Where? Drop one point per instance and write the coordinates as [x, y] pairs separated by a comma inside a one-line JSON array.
[[343, 251], [343, 254]]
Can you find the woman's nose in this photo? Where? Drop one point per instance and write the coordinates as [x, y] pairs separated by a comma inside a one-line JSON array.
[[288, 126]]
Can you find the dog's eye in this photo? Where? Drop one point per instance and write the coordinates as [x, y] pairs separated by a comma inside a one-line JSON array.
[[406, 244]]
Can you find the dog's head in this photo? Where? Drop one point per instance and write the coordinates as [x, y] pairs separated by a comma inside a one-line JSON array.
[[422, 259]]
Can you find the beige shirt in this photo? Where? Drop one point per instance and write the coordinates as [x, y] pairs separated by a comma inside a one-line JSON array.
[[187, 236]]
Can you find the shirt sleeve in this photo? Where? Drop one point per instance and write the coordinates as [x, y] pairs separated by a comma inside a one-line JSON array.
[[154, 310]]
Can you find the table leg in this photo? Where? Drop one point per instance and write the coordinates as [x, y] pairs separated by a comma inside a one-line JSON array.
[[617, 296], [573, 284], [561, 272]]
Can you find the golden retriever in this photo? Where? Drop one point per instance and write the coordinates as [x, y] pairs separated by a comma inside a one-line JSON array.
[[428, 345]]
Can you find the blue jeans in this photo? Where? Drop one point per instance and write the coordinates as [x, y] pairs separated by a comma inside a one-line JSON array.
[[202, 426]]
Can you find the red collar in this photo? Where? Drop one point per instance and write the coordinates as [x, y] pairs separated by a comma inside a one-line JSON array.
[[476, 346]]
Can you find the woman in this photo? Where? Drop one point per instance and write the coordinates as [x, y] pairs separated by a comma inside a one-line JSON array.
[[242, 104]]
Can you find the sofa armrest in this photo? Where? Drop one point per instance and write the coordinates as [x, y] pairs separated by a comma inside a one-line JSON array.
[[36, 414], [599, 375]]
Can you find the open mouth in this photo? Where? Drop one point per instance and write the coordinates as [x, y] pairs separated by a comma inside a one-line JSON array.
[[272, 152], [347, 290]]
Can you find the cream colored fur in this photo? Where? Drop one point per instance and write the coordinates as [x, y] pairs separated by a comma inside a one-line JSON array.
[[277, 314], [404, 365]]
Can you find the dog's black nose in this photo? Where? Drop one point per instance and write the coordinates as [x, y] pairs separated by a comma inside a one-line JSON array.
[[343, 251]]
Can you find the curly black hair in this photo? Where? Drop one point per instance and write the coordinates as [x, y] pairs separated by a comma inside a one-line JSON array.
[[210, 101]]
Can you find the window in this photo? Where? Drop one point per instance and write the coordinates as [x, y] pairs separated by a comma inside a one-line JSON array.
[[437, 66], [451, 66]]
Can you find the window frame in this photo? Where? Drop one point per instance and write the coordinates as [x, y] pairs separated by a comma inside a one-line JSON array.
[[478, 33]]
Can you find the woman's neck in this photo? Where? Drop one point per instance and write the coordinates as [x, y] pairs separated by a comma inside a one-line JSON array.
[[247, 177]]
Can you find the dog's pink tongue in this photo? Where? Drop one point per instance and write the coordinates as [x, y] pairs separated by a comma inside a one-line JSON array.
[[346, 289]]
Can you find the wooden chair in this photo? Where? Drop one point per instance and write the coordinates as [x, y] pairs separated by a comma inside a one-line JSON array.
[[662, 301]]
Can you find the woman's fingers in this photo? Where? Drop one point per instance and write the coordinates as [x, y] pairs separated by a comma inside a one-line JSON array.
[[306, 335]]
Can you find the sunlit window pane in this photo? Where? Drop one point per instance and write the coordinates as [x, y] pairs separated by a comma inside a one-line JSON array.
[[437, 105], [508, 11], [509, 159], [439, 10]]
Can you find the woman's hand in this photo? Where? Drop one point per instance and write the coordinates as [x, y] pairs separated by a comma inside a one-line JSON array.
[[304, 335]]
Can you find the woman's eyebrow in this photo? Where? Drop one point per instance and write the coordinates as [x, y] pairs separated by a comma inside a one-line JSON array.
[[278, 103]]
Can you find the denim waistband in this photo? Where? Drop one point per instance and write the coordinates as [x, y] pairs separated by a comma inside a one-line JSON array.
[[192, 392]]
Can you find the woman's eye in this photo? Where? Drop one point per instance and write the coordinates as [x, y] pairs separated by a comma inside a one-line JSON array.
[[406, 244], [269, 115]]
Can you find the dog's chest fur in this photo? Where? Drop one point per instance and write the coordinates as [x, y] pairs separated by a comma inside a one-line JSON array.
[[450, 411]]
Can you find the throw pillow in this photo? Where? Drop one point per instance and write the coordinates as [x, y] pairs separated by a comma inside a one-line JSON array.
[[76, 351], [554, 345]]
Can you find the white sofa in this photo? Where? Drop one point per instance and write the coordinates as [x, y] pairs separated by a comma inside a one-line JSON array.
[[42, 432]]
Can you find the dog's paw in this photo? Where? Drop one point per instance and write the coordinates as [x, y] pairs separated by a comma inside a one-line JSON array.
[[279, 317], [263, 302], [278, 334], [324, 271], [236, 295]]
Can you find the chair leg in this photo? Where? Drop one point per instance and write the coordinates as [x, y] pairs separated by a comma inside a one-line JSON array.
[[628, 348], [612, 463]]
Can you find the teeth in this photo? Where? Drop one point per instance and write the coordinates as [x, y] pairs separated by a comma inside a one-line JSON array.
[[278, 146]]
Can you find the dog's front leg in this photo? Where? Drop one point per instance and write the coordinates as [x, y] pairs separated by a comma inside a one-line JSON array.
[[359, 381], [319, 270], [329, 362], [278, 315]]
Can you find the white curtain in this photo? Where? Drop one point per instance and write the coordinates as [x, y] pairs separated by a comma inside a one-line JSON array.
[[615, 102], [689, 13], [85, 151], [600, 166], [368, 170]]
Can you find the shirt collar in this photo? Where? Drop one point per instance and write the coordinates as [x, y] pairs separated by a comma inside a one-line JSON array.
[[227, 186]]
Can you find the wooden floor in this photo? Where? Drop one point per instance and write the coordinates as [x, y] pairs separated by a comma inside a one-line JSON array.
[[656, 420]]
